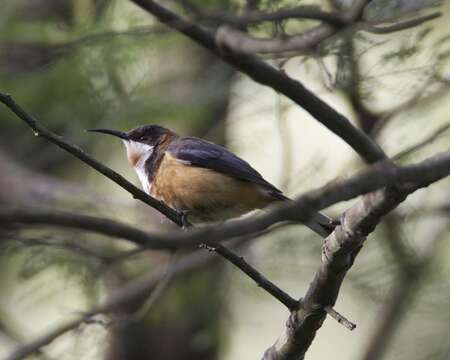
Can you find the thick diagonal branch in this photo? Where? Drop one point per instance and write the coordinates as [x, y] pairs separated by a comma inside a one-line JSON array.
[[338, 253], [274, 78]]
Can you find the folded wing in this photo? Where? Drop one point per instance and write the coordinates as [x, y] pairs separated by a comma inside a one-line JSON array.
[[204, 154]]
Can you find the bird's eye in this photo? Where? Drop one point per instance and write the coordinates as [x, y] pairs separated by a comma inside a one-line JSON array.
[[143, 138]]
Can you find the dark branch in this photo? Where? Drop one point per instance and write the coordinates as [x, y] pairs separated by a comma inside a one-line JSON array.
[[339, 318], [118, 230], [240, 41], [300, 12], [399, 26], [259, 279], [276, 79], [367, 181], [41, 131], [338, 254]]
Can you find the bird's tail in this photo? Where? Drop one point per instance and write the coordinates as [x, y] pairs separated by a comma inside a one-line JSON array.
[[319, 223]]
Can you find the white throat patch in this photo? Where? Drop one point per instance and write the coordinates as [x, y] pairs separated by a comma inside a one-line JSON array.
[[137, 154]]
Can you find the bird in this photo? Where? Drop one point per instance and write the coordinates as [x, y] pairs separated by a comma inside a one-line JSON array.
[[199, 179]]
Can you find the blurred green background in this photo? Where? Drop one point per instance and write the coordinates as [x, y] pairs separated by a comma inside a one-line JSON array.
[[79, 64]]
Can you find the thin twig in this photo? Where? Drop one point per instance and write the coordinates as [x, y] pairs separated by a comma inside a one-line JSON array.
[[339, 318], [259, 278], [40, 130], [399, 26], [254, 17], [428, 140]]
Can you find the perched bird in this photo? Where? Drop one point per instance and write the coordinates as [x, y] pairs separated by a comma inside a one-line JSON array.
[[198, 178]]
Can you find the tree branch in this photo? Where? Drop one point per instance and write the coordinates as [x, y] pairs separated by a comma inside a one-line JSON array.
[[339, 250], [244, 43], [259, 279], [378, 176], [338, 254], [118, 230], [299, 12], [428, 140], [276, 79], [41, 131], [339, 318], [399, 26]]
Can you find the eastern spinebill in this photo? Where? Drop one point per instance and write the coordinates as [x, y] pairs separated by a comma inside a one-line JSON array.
[[198, 178]]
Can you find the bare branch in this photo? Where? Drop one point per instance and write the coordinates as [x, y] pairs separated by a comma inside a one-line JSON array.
[[339, 250], [240, 41], [299, 12], [148, 241], [259, 279], [338, 254], [41, 131], [378, 176], [118, 230], [91, 223], [428, 140], [339, 318], [399, 26], [277, 80]]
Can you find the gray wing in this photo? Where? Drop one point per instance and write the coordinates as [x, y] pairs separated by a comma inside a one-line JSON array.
[[204, 154]]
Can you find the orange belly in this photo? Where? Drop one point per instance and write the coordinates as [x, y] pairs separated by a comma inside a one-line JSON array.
[[205, 194]]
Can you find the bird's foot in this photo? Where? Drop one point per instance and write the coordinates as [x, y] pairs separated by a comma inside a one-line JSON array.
[[335, 222], [184, 219], [332, 224]]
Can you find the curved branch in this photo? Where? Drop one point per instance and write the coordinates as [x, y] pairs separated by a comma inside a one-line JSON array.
[[428, 140], [238, 40], [402, 25], [299, 12], [267, 75]]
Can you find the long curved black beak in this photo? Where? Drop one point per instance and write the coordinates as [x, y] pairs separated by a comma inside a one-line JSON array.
[[116, 133]]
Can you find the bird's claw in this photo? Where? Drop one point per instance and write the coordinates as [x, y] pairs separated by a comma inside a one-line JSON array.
[[184, 219]]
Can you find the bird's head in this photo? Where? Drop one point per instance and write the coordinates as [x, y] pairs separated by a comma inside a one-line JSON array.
[[141, 141]]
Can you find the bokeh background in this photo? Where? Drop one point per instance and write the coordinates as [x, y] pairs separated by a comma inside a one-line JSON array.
[[79, 64]]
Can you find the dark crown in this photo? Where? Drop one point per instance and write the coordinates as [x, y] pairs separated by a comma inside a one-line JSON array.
[[149, 134]]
